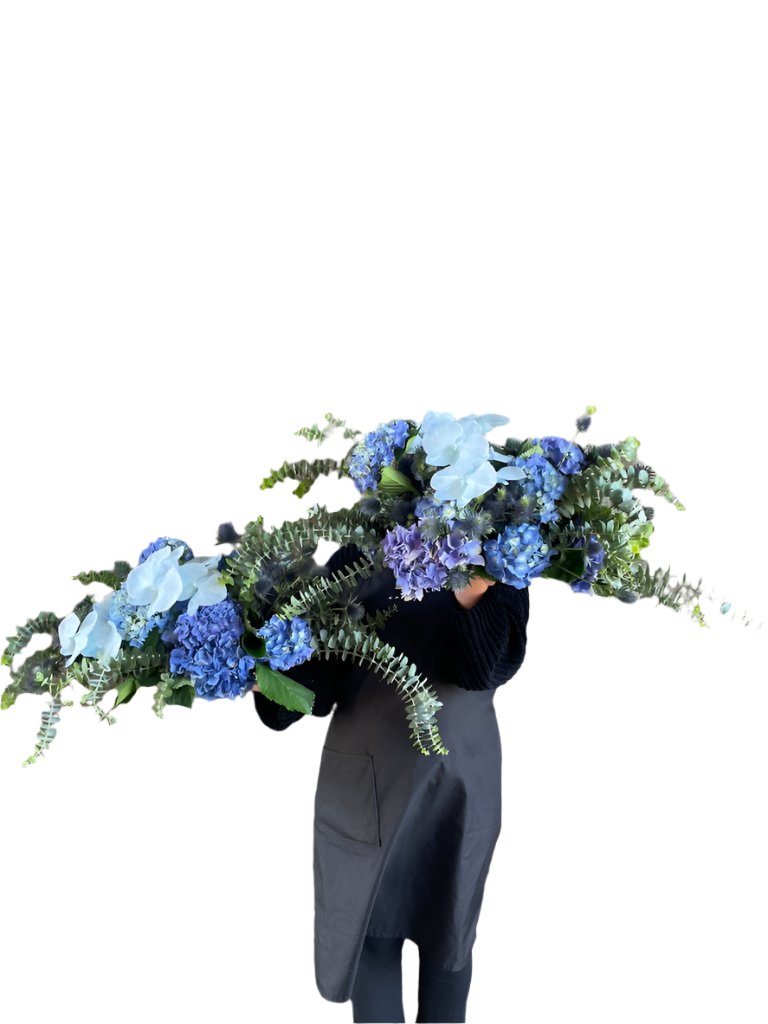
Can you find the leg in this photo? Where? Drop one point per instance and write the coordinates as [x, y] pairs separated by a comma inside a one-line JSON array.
[[377, 994], [443, 994]]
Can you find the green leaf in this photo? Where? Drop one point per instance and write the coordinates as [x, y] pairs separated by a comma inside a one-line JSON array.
[[125, 691], [570, 566], [183, 694], [283, 690], [395, 482]]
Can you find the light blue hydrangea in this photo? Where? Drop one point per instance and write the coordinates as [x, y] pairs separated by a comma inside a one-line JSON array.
[[134, 621]]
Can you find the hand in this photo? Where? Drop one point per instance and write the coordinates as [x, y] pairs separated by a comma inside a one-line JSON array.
[[471, 594], [256, 688]]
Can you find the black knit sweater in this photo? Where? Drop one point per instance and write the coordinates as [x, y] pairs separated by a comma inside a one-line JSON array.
[[485, 645]]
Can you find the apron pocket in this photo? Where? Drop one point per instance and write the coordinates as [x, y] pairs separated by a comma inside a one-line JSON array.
[[346, 802]]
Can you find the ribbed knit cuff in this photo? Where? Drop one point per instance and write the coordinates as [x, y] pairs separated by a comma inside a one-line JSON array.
[[479, 636]]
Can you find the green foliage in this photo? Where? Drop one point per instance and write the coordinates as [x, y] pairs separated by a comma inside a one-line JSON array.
[[315, 433], [367, 649], [47, 732], [286, 691], [304, 471], [173, 689], [283, 555], [110, 577], [44, 622]]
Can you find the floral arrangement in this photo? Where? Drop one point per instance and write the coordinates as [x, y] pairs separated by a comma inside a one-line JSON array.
[[439, 503]]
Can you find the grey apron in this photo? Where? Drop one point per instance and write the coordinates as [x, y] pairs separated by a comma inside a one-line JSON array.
[[403, 841]]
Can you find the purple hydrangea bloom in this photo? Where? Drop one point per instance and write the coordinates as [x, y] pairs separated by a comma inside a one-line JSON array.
[[457, 550], [414, 563], [557, 447], [376, 450], [289, 643], [208, 650], [517, 555]]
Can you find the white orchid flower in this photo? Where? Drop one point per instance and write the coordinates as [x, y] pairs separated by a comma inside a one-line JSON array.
[[95, 637], [460, 447], [159, 582], [202, 583]]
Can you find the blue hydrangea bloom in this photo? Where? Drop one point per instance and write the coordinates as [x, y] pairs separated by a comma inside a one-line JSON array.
[[289, 643], [556, 447], [539, 488], [517, 555], [413, 561], [160, 543], [376, 450], [208, 651], [593, 559]]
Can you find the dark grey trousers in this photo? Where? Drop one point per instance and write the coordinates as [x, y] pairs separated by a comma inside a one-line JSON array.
[[377, 994]]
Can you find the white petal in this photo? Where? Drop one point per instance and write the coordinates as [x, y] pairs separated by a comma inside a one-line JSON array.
[[168, 591]]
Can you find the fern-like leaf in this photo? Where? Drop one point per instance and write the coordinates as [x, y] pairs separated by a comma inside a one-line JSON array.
[[368, 650]]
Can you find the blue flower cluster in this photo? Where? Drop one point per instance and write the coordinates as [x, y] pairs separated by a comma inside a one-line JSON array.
[[132, 622], [564, 455], [539, 489], [376, 450], [288, 643], [208, 650], [517, 555], [593, 559]]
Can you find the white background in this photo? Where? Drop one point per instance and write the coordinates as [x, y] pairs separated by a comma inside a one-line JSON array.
[[219, 222]]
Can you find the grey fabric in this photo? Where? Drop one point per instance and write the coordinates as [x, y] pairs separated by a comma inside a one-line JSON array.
[[402, 841]]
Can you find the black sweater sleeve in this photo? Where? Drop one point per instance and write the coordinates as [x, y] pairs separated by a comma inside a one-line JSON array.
[[486, 643], [320, 675]]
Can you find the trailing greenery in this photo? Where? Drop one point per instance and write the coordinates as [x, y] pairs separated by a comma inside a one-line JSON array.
[[270, 572]]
